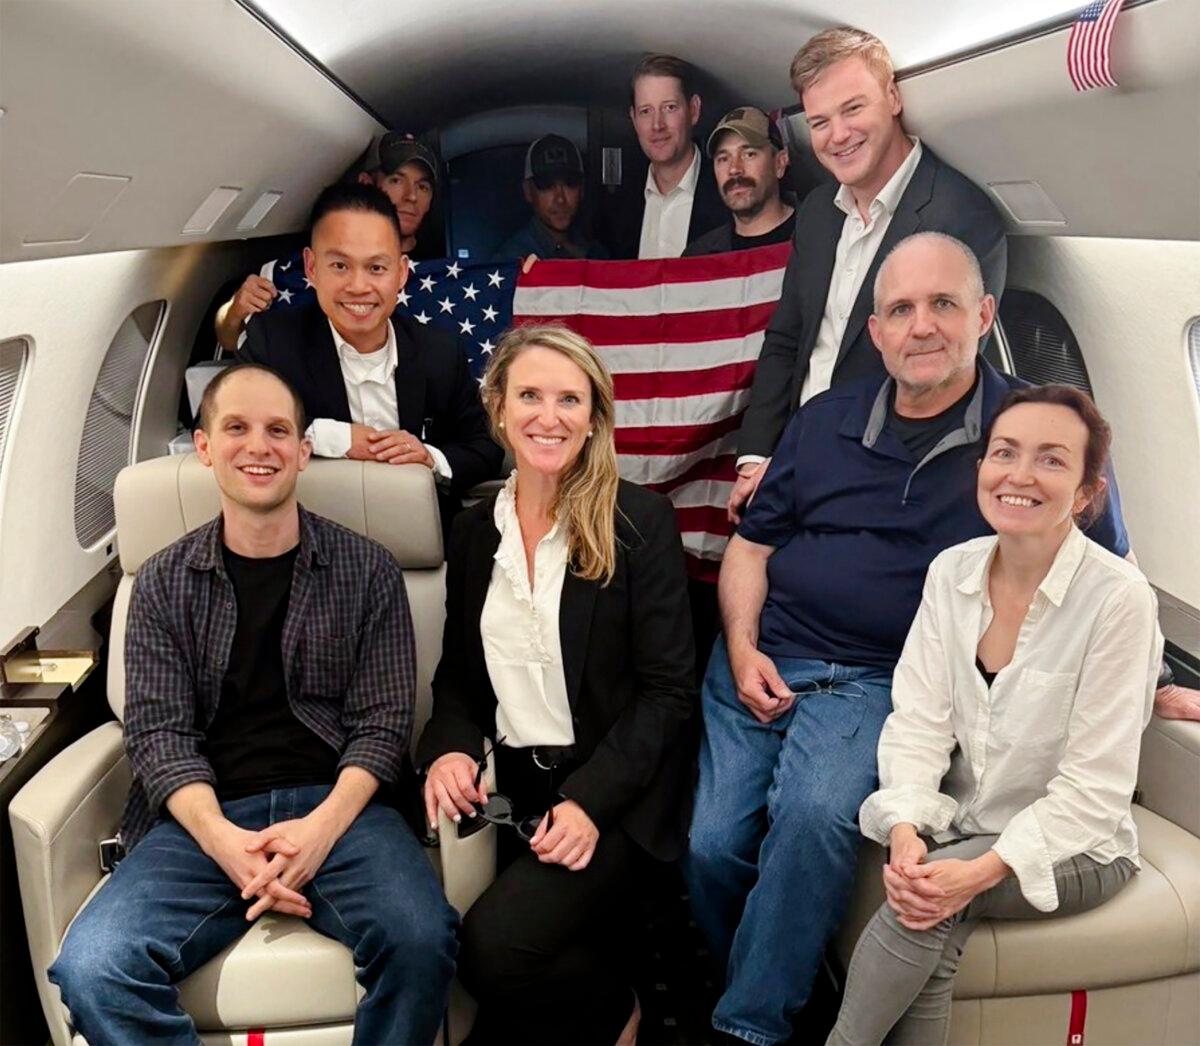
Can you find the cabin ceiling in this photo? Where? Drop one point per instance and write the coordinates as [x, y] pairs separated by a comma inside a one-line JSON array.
[[423, 65]]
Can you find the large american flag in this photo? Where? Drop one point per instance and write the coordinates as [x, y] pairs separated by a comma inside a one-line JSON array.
[[681, 337], [1088, 45]]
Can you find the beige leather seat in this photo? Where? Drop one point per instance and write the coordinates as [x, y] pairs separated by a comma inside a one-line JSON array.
[[281, 977], [1137, 957]]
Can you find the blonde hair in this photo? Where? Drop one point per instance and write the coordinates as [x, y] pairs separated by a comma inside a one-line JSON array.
[[586, 501], [834, 45]]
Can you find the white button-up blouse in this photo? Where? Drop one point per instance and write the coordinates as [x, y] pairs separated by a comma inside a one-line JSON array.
[[1047, 757], [522, 646]]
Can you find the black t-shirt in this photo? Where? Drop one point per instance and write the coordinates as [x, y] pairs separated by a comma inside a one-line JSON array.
[[921, 435], [255, 742], [782, 233]]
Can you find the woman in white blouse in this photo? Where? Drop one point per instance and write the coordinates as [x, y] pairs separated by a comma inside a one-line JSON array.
[[1019, 703], [568, 659]]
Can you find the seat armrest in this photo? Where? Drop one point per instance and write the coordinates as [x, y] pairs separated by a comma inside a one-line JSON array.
[[58, 819], [468, 865], [1169, 771]]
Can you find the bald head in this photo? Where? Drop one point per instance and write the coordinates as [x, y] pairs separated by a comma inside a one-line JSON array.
[[922, 248]]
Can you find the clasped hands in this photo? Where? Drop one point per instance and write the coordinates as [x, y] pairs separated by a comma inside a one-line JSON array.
[[923, 894], [450, 787], [275, 864], [395, 446]]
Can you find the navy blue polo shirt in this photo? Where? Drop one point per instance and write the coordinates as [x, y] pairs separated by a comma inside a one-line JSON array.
[[855, 521]]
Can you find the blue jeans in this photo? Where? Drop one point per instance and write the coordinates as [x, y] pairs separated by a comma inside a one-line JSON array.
[[775, 839], [168, 909]]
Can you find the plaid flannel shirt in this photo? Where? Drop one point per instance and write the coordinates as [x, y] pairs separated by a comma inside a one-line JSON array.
[[348, 654]]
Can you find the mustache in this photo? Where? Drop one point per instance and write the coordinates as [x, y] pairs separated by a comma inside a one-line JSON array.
[[738, 183]]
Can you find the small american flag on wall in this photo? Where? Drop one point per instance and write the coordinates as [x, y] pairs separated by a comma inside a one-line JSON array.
[[1088, 45]]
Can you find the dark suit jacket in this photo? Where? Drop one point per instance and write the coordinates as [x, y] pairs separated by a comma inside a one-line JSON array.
[[435, 393], [938, 198], [629, 663], [621, 218]]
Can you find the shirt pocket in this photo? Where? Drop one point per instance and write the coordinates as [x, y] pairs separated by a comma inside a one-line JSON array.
[[327, 665], [1037, 709]]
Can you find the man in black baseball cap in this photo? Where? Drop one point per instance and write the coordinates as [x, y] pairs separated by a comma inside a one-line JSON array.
[[404, 168], [554, 189], [748, 160]]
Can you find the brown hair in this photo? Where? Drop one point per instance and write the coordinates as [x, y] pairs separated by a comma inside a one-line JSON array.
[[834, 45], [208, 401], [664, 65], [586, 499], [1099, 436]]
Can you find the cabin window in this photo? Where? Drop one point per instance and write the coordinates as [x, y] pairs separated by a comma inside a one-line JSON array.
[[1193, 354], [1040, 341], [107, 443], [12, 365]]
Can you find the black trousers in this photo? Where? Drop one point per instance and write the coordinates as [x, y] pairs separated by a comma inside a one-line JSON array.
[[542, 948]]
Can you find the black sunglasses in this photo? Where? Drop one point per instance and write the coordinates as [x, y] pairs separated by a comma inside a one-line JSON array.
[[500, 809]]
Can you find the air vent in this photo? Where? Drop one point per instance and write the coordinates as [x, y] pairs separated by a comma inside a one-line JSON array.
[[258, 211], [13, 354], [210, 211], [1028, 203], [106, 445], [1043, 347], [77, 210], [1194, 352]]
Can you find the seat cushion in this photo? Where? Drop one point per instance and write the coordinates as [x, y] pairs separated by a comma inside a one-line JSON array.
[[281, 973], [1150, 930]]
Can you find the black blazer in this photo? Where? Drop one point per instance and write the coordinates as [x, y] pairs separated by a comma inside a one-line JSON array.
[[436, 397], [621, 216], [629, 662], [939, 198]]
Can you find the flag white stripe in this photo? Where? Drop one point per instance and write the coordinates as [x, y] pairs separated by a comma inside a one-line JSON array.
[[681, 410], [681, 356], [703, 545], [700, 493], [706, 296]]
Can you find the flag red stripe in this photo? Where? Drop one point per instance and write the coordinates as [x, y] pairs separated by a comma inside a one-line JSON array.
[[710, 519], [653, 273], [673, 439], [666, 384], [671, 328], [256, 1037]]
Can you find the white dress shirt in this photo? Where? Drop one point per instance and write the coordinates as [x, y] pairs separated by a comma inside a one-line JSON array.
[[370, 379], [666, 218], [1047, 757], [856, 250], [522, 646]]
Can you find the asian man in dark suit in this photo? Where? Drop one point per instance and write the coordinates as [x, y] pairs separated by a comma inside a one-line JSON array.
[[889, 186], [378, 387]]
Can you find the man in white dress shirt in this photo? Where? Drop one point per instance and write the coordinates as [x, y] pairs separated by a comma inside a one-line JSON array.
[[378, 387], [889, 186], [677, 203]]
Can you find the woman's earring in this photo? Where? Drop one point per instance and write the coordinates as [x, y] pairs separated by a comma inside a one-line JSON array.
[[500, 424], [590, 434]]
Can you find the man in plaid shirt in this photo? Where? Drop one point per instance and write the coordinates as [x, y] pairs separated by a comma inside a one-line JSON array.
[[271, 672]]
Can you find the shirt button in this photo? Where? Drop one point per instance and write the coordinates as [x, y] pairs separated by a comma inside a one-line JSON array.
[[228, 606]]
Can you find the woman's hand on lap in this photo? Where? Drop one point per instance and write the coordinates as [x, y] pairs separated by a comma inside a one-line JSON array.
[[571, 840], [450, 787]]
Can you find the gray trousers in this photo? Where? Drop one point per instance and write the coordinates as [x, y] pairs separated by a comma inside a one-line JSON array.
[[900, 980]]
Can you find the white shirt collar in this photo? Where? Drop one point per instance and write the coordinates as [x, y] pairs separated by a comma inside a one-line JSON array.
[[687, 184], [504, 513], [382, 362], [1053, 586], [888, 197]]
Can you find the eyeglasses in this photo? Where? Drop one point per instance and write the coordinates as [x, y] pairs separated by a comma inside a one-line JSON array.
[[500, 809], [840, 687]]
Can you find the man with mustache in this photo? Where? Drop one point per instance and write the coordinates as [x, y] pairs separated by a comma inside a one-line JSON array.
[[748, 161]]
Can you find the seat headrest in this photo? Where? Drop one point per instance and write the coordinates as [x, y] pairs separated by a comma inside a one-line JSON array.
[[160, 500]]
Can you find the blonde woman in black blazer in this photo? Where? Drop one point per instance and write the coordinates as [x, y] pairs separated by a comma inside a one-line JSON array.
[[567, 659]]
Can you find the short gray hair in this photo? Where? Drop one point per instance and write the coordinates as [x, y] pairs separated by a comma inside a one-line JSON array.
[[974, 273]]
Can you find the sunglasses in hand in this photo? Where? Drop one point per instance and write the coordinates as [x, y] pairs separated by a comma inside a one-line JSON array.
[[500, 810]]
